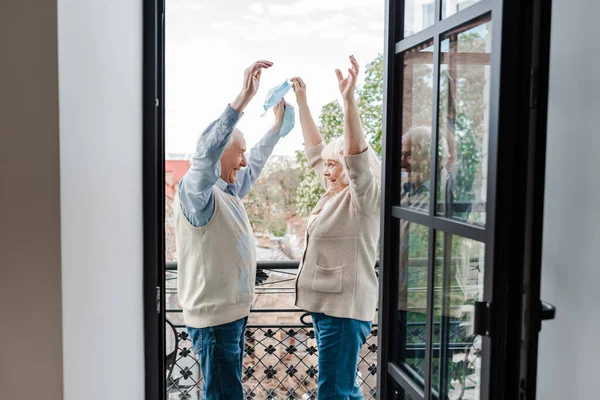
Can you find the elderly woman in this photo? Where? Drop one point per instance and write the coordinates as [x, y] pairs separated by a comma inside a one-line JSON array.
[[336, 281]]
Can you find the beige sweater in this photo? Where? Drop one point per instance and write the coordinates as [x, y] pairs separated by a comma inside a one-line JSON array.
[[217, 264], [337, 273]]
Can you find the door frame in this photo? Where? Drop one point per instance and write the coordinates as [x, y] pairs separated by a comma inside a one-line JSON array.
[[524, 50], [153, 140], [517, 142]]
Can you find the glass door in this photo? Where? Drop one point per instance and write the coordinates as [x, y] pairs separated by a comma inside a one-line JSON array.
[[455, 217]]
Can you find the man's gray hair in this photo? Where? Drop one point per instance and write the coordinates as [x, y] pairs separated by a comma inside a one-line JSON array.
[[236, 135]]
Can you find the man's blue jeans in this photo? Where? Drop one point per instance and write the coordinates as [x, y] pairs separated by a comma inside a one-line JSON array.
[[339, 341], [220, 350]]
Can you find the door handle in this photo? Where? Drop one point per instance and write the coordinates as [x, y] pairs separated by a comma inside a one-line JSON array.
[[548, 311]]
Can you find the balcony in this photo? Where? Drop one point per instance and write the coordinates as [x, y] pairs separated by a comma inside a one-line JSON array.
[[281, 357]]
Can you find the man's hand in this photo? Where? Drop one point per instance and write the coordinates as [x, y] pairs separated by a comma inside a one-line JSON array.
[[348, 84], [279, 111], [250, 86], [300, 89]]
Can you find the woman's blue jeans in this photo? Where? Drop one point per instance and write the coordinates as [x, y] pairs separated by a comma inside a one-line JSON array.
[[339, 341]]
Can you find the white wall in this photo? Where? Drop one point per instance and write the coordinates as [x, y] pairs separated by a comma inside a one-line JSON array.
[[569, 349], [100, 88]]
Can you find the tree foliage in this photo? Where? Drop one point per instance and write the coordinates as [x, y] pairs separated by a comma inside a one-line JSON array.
[[273, 198], [469, 125]]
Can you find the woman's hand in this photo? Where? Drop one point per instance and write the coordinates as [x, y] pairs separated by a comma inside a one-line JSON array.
[[354, 135], [299, 89], [310, 132], [348, 84]]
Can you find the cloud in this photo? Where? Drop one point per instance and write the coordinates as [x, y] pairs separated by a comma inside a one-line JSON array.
[[256, 8], [265, 28], [304, 7], [208, 50], [363, 40], [333, 34], [174, 5]]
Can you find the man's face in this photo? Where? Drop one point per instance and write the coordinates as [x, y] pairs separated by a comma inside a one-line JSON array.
[[415, 158], [233, 159], [406, 160]]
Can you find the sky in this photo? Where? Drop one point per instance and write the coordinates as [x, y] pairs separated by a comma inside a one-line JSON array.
[[210, 43]]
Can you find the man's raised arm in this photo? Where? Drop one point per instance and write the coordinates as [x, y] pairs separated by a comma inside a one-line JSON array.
[[195, 188], [259, 155]]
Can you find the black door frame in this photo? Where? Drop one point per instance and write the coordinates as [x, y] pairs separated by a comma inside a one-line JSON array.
[[517, 142], [154, 198]]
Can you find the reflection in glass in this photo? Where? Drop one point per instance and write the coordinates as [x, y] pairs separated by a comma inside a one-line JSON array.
[[417, 99], [459, 272], [450, 7], [409, 343], [418, 15], [464, 109]]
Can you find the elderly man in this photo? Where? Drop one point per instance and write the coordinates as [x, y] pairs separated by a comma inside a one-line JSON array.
[[215, 243], [416, 195]]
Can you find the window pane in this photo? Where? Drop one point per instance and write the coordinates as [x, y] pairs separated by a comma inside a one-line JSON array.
[[458, 284], [417, 98], [464, 108], [418, 15], [409, 343], [450, 7], [399, 392]]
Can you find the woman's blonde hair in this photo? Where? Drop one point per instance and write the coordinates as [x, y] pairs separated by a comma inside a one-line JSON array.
[[334, 150]]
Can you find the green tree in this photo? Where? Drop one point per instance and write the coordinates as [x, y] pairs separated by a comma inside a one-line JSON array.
[[370, 102], [273, 197]]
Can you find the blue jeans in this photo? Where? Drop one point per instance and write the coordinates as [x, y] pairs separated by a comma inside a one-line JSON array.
[[220, 350], [339, 341]]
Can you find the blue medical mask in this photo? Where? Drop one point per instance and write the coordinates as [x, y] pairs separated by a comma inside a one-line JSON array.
[[276, 94], [289, 119]]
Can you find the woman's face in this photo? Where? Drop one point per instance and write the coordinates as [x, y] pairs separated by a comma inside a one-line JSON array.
[[333, 173]]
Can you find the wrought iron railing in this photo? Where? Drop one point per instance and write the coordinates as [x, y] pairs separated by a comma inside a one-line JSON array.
[[281, 356]]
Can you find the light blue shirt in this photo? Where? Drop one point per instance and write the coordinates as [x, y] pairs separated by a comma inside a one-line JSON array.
[[197, 185]]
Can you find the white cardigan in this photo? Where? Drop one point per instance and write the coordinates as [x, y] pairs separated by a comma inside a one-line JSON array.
[[337, 273]]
